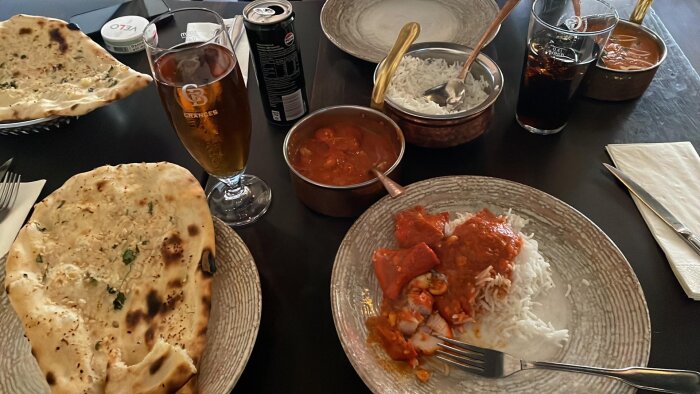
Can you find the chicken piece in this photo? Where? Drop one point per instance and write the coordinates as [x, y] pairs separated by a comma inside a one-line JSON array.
[[419, 300], [415, 225], [423, 339], [391, 340], [439, 325], [424, 342], [407, 321], [397, 267]]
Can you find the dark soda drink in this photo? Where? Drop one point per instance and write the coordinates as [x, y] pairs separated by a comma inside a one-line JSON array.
[[277, 59], [552, 72]]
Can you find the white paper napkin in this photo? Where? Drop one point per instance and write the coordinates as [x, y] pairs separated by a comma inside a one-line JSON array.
[[669, 172], [10, 225], [196, 31]]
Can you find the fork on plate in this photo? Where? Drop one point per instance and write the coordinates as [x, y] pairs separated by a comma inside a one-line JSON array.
[[9, 188], [494, 364]]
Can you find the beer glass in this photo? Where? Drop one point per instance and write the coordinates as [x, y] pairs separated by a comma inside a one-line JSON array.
[[565, 39], [202, 90]]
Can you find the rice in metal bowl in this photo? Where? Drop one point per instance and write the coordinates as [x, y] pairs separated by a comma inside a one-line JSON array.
[[415, 75]]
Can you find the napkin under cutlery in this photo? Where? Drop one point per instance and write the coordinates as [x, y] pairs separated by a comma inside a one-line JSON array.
[[669, 172], [12, 223], [238, 38]]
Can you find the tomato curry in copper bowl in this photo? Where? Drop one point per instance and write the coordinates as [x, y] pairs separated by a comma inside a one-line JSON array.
[[331, 153], [627, 65]]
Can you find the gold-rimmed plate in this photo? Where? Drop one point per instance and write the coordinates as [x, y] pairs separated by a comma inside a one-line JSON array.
[[367, 29], [597, 294], [233, 325]]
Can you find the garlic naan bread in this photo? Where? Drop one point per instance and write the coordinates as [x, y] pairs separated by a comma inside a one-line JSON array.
[[48, 67], [106, 278]]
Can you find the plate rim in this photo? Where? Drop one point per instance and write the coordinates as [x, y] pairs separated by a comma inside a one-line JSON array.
[[334, 273], [371, 59], [258, 306]]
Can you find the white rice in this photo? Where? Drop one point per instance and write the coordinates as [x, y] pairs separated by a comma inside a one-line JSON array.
[[415, 75], [509, 323]]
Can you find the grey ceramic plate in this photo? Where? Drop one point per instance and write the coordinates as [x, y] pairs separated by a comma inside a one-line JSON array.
[[605, 311], [233, 325], [368, 28]]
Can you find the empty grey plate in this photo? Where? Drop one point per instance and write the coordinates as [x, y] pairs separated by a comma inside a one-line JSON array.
[[604, 309], [368, 28], [233, 325]]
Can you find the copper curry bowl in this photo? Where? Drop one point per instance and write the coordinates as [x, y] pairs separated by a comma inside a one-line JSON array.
[[329, 197], [609, 84]]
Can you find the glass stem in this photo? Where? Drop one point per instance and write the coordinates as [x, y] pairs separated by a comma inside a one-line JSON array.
[[233, 189]]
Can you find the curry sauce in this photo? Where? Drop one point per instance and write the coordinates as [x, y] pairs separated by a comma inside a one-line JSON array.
[[630, 48]]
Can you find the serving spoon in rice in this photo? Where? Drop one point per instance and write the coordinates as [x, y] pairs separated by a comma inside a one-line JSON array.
[[451, 93]]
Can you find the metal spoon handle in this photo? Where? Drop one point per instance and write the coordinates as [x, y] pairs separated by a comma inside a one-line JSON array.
[[500, 17], [393, 188], [640, 11], [409, 32]]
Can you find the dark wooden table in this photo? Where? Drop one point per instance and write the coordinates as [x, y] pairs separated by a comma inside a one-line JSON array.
[[297, 349]]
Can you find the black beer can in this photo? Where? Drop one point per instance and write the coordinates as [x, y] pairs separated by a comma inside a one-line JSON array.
[[269, 25]]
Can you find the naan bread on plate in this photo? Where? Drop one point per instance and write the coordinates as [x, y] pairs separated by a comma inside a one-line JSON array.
[[49, 67], [106, 278]]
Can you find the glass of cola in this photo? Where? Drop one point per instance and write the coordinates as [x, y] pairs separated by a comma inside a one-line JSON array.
[[565, 39]]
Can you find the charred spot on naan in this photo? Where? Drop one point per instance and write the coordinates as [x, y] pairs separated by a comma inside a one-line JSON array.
[[50, 378], [56, 36], [206, 302], [192, 230], [157, 364], [149, 336], [175, 284], [172, 249], [154, 303], [171, 303], [202, 331], [133, 318]]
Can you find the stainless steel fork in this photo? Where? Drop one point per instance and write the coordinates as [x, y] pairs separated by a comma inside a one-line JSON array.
[[494, 364], [9, 187]]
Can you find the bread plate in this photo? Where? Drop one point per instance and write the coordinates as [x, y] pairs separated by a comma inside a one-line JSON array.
[[233, 325]]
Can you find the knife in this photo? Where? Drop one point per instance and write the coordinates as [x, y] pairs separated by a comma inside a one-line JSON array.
[[4, 168], [682, 230]]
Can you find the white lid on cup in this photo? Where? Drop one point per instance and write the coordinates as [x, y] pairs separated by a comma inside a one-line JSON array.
[[124, 34]]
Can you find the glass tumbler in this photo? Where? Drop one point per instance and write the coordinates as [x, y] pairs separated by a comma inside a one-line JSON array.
[[565, 38]]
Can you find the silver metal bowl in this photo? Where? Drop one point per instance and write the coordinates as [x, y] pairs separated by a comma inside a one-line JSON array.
[[441, 131]]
